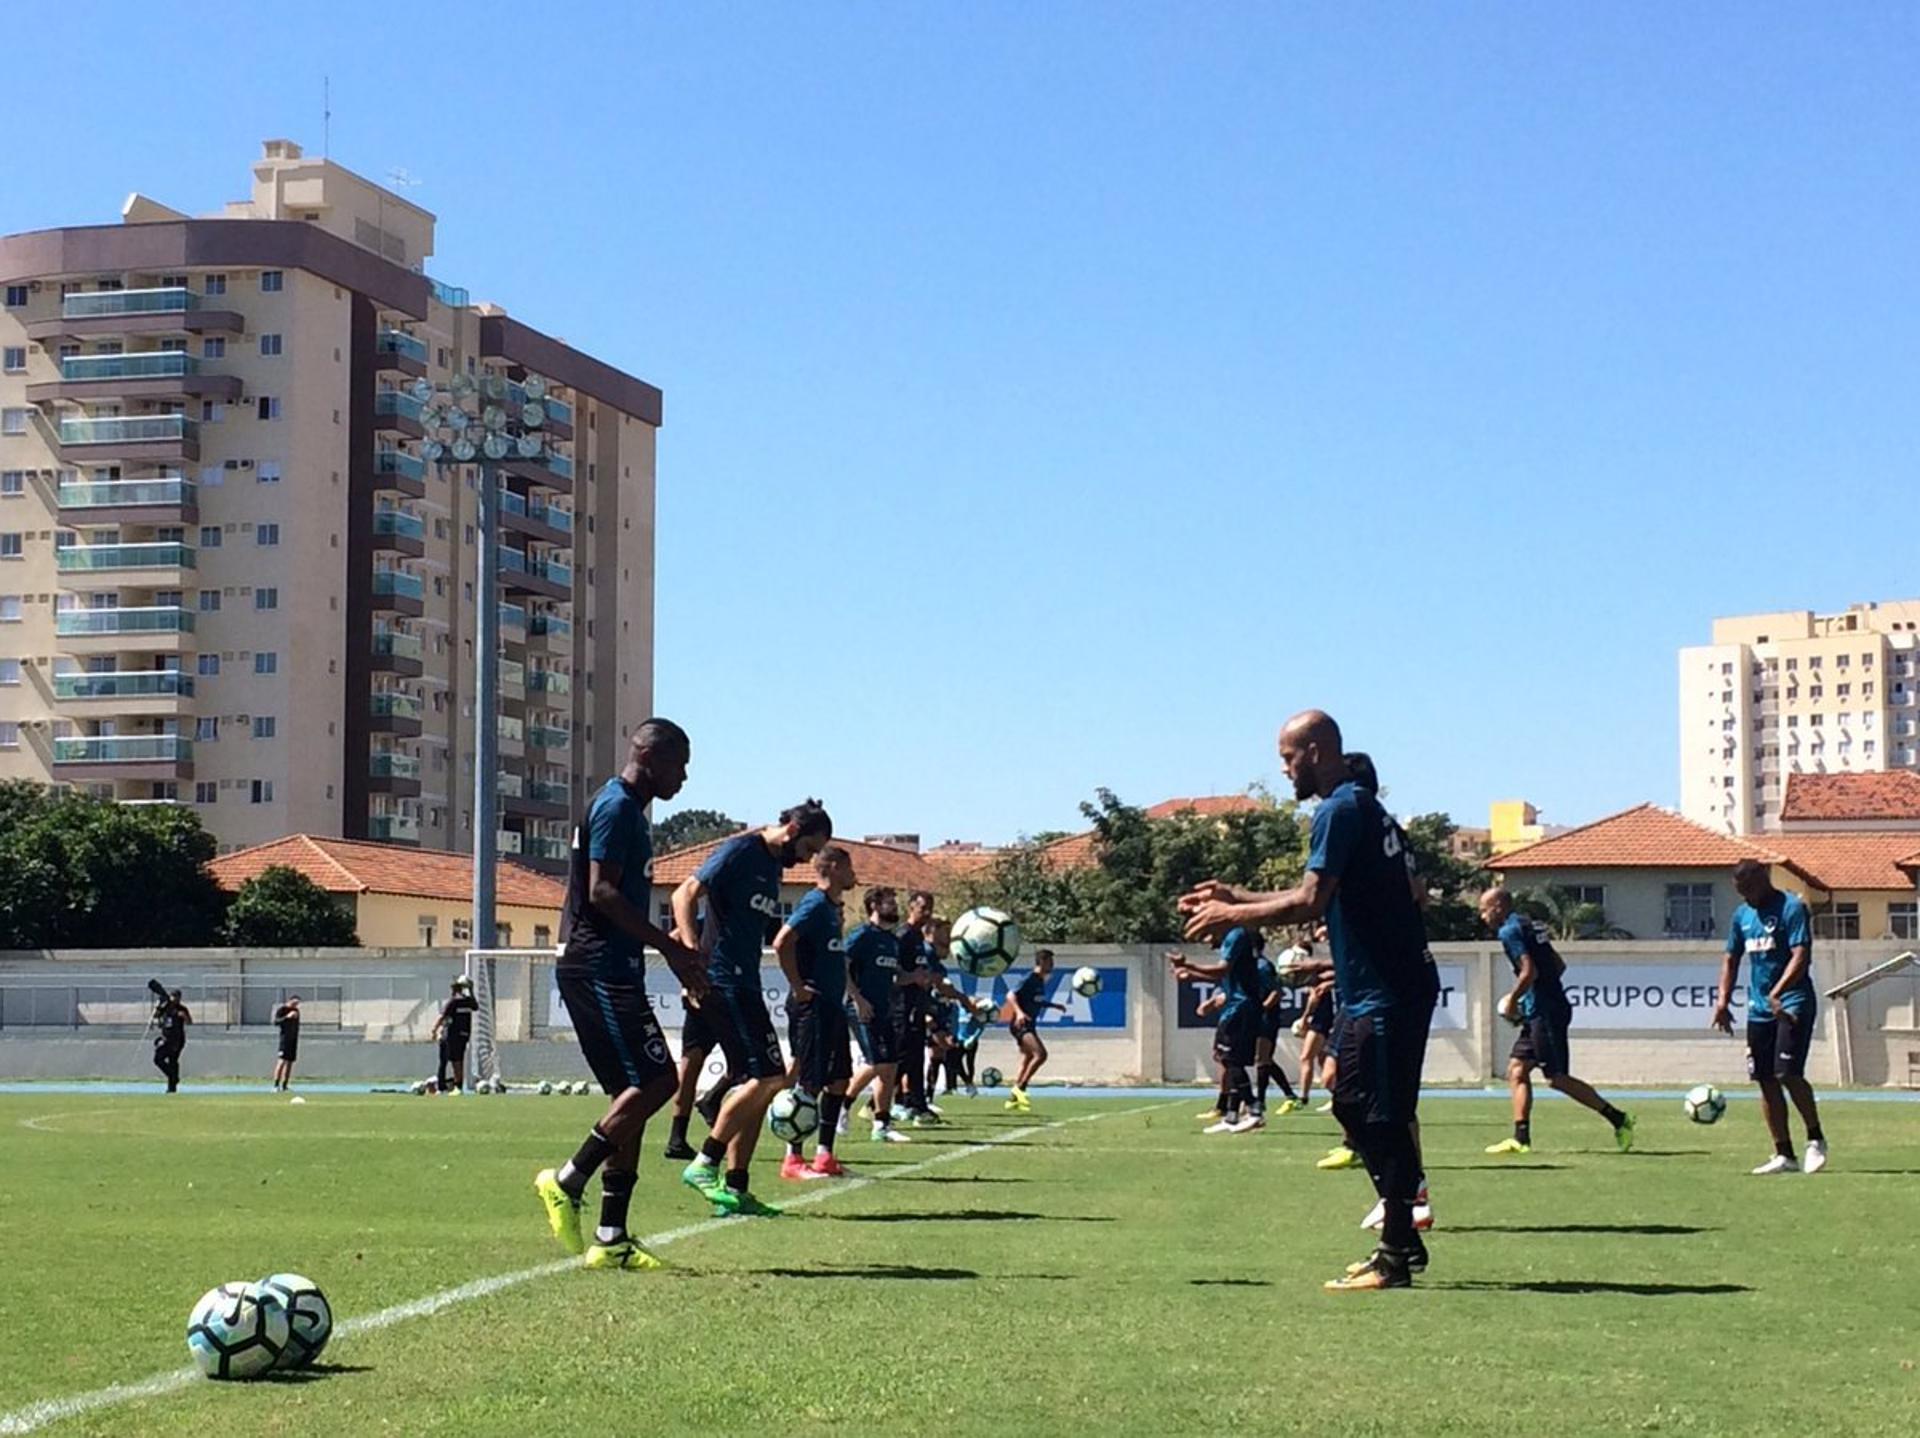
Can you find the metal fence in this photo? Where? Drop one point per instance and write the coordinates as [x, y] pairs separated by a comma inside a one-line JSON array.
[[369, 1005]]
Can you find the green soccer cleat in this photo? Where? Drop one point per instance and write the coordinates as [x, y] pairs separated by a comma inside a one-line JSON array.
[[702, 1178], [626, 1254], [1342, 1157], [563, 1210], [1509, 1145], [1623, 1135], [733, 1203]]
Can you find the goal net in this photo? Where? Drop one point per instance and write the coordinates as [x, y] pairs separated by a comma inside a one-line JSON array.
[[503, 985]]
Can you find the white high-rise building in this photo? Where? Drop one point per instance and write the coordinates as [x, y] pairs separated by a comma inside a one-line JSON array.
[[1793, 693]]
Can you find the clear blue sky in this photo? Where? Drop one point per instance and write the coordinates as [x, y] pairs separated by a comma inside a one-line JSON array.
[[1060, 395]]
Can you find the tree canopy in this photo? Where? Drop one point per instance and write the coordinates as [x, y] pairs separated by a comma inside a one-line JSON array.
[[693, 826], [280, 907]]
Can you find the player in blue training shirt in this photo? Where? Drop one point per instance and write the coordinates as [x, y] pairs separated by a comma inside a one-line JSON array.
[[1772, 931], [1538, 1003], [740, 886], [873, 964], [1238, 1000], [812, 957], [604, 929], [1360, 877], [1024, 1007]]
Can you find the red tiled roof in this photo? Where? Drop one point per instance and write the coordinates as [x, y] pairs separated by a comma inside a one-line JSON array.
[[1076, 851], [1851, 861], [1645, 837], [353, 866], [960, 858], [872, 864], [1892, 794], [1207, 806]]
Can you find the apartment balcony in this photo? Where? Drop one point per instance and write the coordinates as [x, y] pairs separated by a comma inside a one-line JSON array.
[[128, 501], [397, 532], [170, 311], [513, 679], [551, 632], [391, 772], [556, 415], [137, 693], [151, 629], [550, 682], [165, 564], [546, 850], [509, 785], [152, 374], [513, 624], [534, 519], [391, 712], [554, 471], [401, 352], [539, 799], [398, 653], [546, 736], [400, 472], [398, 413], [523, 574], [507, 841], [397, 592], [160, 438], [95, 758], [393, 829], [512, 735]]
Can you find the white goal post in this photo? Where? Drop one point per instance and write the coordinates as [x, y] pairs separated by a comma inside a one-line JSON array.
[[491, 971]]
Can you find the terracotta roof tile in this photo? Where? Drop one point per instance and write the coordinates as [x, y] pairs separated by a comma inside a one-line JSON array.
[[353, 866], [1076, 851], [1645, 837], [872, 864], [1892, 794], [1206, 806], [1851, 861]]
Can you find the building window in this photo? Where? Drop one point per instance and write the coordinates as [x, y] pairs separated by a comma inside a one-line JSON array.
[[206, 729], [213, 348], [463, 931], [209, 666], [13, 482], [266, 661], [209, 601], [9, 609], [1842, 921], [206, 791], [542, 937], [262, 792], [270, 345], [9, 734], [266, 599], [1903, 920], [427, 927], [266, 535], [10, 546], [1690, 911], [263, 726], [216, 284], [13, 359], [9, 671], [272, 281], [16, 297], [13, 421], [269, 406]]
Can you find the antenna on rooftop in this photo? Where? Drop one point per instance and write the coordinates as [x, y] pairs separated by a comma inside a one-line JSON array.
[[326, 117], [400, 179]]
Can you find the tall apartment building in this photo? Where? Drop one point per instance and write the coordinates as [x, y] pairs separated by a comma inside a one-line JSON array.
[[227, 576], [1792, 693]]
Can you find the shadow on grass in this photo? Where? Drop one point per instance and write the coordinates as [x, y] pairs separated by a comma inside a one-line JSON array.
[[907, 1271], [1666, 1152], [977, 1141], [1902, 1172], [1495, 1167], [314, 1374], [1576, 1287], [1229, 1283], [1651, 1230], [965, 1215], [960, 1178]]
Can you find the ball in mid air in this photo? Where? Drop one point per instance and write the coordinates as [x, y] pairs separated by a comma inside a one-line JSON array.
[[984, 942]]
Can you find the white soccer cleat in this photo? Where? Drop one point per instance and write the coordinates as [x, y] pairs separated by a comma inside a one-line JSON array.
[[1326, 1107], [1779, 1164], [1816, 1155], [840, 1125], [935, 1109], [1225, 1125], [1376, 1216], [1248, 1123], [1422, 1215], [887, 1133]]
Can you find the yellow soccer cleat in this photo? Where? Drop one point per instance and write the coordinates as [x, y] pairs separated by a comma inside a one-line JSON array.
[[1371, 1276], [563, 1210], [1210, 1115], [1287, 1106], [1342, 1157], [1026, 1104], [1509, 1145], [626, 1254]]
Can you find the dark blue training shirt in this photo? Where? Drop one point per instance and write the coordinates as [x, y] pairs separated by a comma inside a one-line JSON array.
[[1767, 935], [1032, 993], [1379, 940], [1241, 983], [1521, 936], [742, 878], [616, 832], [873, 958], [817, 951]]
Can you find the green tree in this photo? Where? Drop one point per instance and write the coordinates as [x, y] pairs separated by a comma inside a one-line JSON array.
[[692, 826], [1566, 915], [1453, 884], [78, 872], [281, 908]]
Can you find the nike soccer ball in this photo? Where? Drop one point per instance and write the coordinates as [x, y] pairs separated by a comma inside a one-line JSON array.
[[309, 1316], [984, 943], [1086, 981], [792, 1115], [232, 1334], [990, 1078], [1704, 1104]]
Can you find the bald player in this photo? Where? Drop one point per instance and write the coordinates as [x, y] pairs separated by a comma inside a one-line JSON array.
[[1359, 878], [1538, 1004]]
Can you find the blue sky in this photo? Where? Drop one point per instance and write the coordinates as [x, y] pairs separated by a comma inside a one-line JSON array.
[[1058, 396]]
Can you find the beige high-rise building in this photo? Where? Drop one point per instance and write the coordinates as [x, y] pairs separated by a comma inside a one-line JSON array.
[[1792, 693], [229, 579]]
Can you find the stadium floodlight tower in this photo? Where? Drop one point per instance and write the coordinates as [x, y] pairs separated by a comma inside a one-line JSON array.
[[488, 421]]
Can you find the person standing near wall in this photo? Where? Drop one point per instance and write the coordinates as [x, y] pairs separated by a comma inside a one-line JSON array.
[[170, 1018], [286, 1018]]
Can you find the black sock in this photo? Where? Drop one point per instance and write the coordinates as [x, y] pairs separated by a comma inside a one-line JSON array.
[[883, 1116], [585, 1161], [1784, 1148], [678, 1135], [1814, 1135], [1612, 1115], [1225, 1097], [737, 1179], [1390, 1153], [1260, 1089], [1239, 1091], [1523, 1131], [616, 1192], [794, 1147], [1280, 1077], [830, 1106], [713, 1151]]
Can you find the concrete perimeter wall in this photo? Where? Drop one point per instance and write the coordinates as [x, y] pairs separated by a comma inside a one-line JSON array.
[[1641, 1012]]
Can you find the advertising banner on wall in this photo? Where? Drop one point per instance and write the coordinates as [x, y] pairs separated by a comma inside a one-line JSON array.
[[1670, 994], [1449, 1012]]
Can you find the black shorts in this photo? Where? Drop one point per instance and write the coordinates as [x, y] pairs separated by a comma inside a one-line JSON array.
[[1320, 1021], [1381, 1056], [698, 1033], [909, 1028], [1777, 1048], [618, 1033], [876, 1039], [1270, 1025], [745, 1029], [1542, 1040], [289, 1052], [1234, 1035], [454, 1050], [818, 1033], [1020, 1028]]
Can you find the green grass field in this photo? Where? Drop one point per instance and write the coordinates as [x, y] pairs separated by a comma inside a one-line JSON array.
[[1118, 1271]]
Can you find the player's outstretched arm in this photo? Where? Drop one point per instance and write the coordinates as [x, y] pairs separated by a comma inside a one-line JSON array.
[[1210, 918]]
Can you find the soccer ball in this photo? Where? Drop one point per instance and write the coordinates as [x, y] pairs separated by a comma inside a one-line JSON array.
[[546, 1086], [309, 1316], [232, 1334], [792, 1115], [985, 942], [581, 1086], [1086, 981], [1704, 1104], [990, 1078], [418, 1087]]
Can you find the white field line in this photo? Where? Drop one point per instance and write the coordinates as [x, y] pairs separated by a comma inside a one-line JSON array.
[[53, 1410]]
